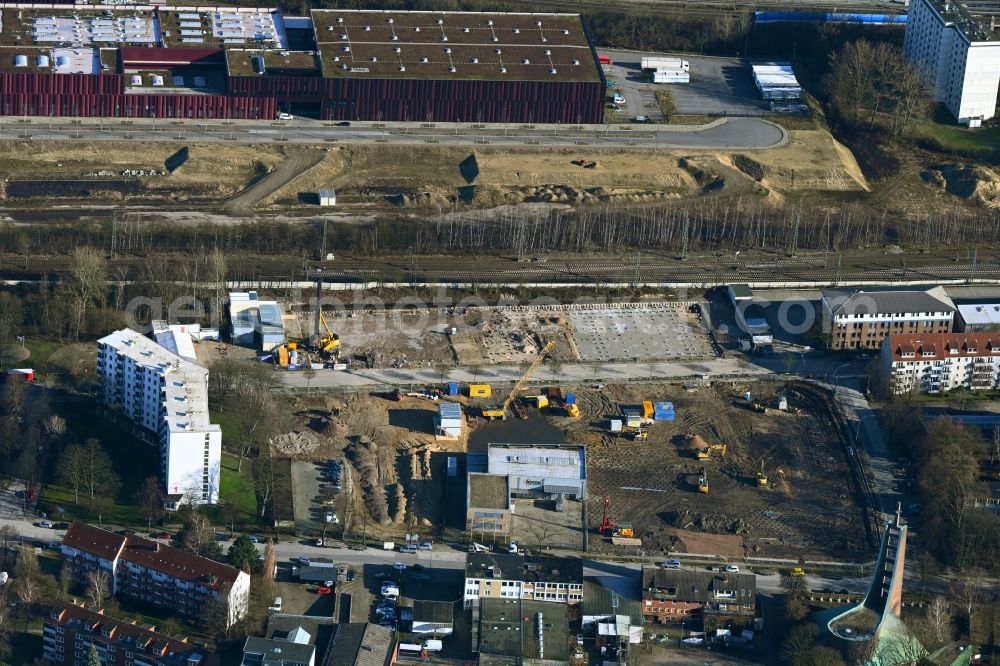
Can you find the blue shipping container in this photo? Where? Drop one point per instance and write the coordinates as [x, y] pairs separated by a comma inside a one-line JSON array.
[[452, 388], [571, 398]]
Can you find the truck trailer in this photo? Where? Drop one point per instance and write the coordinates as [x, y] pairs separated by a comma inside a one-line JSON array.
[[661, 62]]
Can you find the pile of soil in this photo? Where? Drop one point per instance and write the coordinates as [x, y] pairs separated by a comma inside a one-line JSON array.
[[976, 184], [296, 443]]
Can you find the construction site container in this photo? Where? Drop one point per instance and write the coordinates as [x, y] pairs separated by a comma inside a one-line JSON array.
[[665, 63], [480, 390], [616, 425], [453, 388], [647, 409], [664, 411], [571, 398], [633, 421]]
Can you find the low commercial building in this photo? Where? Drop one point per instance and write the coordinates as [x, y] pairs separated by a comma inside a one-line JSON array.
[[941, 362], [70, 629], [448, 421], [255, 322], [502, 576], [156, 574], [957, 56], [360, 644], [489, 510], [163, 398], [540, 470], [978, 318], [290, 640], [514, 632], [427, 618], [670, 595], [602, 605], [863, 318]]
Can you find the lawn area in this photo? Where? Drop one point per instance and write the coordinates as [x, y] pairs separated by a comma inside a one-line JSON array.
[[133, 461], [983, 142], [41, 350], [237, 487]]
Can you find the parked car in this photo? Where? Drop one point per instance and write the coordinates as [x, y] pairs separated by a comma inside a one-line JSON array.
[[303, 559], [285, 116], [324, 590], [61, 526], [409, 550], [731, 568], [344, 123], [670, 564], [426, 545], [399, 566], [44, 523], [328, 583]]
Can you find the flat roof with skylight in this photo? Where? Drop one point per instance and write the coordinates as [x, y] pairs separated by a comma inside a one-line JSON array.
[[454, 45]]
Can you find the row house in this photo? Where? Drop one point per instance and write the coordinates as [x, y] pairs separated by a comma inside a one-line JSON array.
[[941, 363], [670, 595]]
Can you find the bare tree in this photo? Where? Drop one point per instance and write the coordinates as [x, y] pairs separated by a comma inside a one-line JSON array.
[[309, 374], [258, 414], [54, 427], [940, 620], [151, 498], [71, 469], [966, 590], [98, 587], [99, 477], [197, 533], [27, 589], [263, 481], [217, 277], [9, 535], [89, 272], [270, 560]]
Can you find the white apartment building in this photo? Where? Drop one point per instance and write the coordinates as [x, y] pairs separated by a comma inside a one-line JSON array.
[[941, 362], [166, 397], [959, 57]]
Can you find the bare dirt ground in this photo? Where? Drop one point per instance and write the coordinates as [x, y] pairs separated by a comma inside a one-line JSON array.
[[294, 165], [654, 484]]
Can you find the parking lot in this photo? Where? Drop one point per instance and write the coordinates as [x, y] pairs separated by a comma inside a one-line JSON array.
[[310, 489], [719, 86]]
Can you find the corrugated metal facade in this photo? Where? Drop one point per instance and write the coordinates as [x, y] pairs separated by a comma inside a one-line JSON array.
[[438, 100], [139, 106]]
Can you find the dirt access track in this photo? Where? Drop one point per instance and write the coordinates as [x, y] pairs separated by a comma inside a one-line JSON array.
[[248, 178], [806, 510]]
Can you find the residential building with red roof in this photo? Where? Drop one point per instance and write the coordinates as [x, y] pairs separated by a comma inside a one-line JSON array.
[[941, 362], [155, 573], [71, 628]]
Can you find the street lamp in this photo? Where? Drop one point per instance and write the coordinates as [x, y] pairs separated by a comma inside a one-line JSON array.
[[857, 429], [835, 385]]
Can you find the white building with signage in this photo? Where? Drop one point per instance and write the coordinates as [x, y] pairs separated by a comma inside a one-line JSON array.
[[535, 470]]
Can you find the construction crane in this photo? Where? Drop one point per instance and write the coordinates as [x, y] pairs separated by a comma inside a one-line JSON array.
[[609, 527], [329, 343], [500, 411]]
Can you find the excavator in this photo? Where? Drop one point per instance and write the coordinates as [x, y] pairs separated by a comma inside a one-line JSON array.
[[762, 476], [329, 344], [500, 411], [705, 454], [703, 481]]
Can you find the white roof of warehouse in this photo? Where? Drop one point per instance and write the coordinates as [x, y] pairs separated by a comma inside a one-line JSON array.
[[980, 314]]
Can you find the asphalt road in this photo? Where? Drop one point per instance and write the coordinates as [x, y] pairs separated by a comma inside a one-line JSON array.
[[735, 133]]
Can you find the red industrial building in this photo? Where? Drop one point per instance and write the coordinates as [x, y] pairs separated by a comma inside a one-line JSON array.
[[245, 63]]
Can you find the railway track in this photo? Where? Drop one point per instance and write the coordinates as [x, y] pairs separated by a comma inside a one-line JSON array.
[[499, 270]]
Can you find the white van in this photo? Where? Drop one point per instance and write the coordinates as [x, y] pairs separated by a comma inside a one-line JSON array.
[[432, 645], [276, 606]]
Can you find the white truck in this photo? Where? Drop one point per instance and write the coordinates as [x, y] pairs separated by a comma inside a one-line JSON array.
[[662, 62], [478, 548], [388, 545]]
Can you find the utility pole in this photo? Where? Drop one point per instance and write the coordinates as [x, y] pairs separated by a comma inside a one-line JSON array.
[[638, 257], [114, 232], [927, 234], [322, 254], [975, 257], [837, 281]]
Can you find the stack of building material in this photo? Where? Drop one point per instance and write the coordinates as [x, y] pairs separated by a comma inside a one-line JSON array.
[[449, 420], [776, 81], [667, 70]]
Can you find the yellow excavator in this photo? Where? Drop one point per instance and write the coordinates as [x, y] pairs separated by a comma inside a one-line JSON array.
[[500, 411], [328, 344], [762, 476], [705, 454], [703, 481]]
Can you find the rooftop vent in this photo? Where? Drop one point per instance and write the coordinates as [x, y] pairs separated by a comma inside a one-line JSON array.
[[344, 37], [390, 21], [424, 60], [465, 30], [440, 21], [329, 28], [395, 38], [489, 22], [565, 32], [398, 50], [552, 71], [544, 39], [374, 58], [499, 51], [346, 49], [444, 38], [503, 70], [575, 62], [538, 23], [517, 31], [402, 68], [340, 19], [417, 29], [548, 51], [495, 38], [368, 28], [447, 49]]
